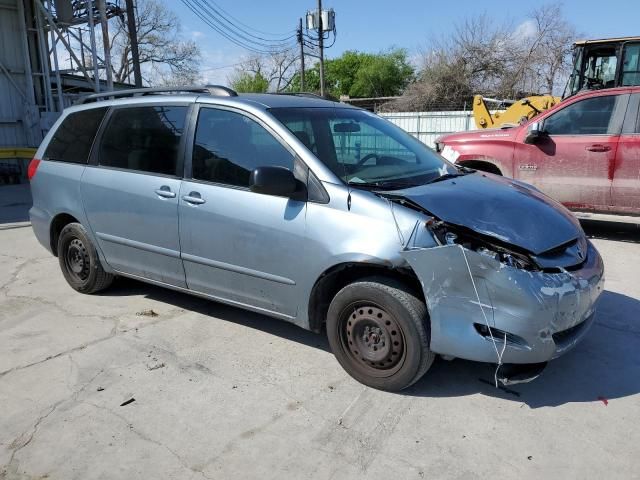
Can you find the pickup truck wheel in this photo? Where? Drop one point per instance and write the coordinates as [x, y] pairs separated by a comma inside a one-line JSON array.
[[79, 261], [379, 333]]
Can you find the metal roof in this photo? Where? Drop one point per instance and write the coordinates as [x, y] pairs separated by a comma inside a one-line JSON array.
[[606, 40]]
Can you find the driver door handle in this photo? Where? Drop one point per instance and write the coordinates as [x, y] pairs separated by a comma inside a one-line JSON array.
[[165, 192], [598, 147], [194, 198]]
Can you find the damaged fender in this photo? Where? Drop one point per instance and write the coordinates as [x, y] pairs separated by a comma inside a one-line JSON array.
[[542, 314]]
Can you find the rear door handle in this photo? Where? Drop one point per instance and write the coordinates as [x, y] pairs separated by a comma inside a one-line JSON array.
[[194, 198], [165, 192], [598, 148]]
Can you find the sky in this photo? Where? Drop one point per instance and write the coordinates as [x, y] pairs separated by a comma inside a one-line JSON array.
[[376, 25]]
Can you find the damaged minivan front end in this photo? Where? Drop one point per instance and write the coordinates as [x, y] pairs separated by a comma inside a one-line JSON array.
[[501, 296], [507, 274]]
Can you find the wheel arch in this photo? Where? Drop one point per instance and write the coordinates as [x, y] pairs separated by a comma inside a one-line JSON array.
[[58, 222], [485, 165], [333, 279]]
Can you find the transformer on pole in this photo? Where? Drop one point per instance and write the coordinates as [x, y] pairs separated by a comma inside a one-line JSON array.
[[323, 21]]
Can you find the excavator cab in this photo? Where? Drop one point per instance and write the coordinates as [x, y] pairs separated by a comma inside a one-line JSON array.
[[605, 63], [597, 64]]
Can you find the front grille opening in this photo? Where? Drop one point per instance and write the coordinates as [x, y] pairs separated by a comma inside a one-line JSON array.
[[499, 335], [568, 335], [562, 255]]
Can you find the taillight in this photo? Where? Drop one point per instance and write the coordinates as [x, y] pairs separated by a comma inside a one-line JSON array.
[[33, 167]]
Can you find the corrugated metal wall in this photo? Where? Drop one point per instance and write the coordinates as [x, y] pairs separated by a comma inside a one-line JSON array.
[[427, 126], [12, 77]]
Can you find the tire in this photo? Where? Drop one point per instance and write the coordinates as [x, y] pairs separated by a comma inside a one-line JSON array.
[[79, 261], [379, 332]]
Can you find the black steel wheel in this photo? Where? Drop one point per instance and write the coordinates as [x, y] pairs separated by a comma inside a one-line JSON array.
[[79, 260], [379, 332], [373, 339]]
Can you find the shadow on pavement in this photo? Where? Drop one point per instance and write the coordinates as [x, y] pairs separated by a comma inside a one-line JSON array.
[[620, 232], [123, 287], [606, 365]]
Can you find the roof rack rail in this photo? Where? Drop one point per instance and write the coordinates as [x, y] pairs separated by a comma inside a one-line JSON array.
[[218, 90], [300, 94]]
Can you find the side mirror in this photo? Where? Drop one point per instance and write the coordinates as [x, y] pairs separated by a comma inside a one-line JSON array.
[[278, 181], [535, 133]]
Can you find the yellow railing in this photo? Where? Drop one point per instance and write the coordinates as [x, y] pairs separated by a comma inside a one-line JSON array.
[[17, 152]]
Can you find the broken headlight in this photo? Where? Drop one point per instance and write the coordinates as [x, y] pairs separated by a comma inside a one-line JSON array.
[[453, 235]]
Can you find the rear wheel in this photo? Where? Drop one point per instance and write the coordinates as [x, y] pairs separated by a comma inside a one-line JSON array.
[[379, 332], [79, 261]]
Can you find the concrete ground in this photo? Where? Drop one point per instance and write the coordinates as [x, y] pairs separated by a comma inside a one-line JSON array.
[[222, 394]]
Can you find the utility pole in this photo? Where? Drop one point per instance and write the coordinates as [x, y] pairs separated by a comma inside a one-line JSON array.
[[301, 41], [321, 47], [105, 41], [133, 39]]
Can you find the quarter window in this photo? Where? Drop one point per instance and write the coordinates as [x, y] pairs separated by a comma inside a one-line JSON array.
[[72, 140], [631, 65], [229, 146], [146, 139], [592, 116]]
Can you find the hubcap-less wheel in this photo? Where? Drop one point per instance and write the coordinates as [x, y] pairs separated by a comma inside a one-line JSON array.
[[373, 340], [77, 260]]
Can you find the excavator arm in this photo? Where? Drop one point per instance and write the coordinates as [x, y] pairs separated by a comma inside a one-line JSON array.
[[516, 112]]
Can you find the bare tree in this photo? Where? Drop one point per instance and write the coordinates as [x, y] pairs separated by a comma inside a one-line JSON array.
[[164, 56], [497, 59], [277, 68], [553, 53]]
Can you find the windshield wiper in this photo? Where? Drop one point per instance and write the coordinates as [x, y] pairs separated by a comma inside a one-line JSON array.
[[447, 176], [382, 184]]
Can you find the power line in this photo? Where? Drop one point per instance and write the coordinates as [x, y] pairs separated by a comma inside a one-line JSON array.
[[239, 31], [222, 67], [196, 10], [286, 34], [211, 17]]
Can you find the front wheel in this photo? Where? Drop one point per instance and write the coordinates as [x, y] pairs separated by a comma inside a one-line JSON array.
[[379, 332], [79, 261]]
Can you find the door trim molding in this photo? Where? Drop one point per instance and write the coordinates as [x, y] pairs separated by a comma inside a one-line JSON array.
[[139, 245], [237, 269]]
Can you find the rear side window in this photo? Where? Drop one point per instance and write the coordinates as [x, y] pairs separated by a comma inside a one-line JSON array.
[[229, 146], [72, 140], [145, 139], [592, 116]]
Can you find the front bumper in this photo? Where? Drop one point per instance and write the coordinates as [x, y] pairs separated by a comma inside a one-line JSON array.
[[543, 314]]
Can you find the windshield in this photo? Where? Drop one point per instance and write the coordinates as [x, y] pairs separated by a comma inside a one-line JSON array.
[[362, 148], [594, 67]]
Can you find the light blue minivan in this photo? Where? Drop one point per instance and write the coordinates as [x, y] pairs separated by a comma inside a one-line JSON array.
[[317, 213]]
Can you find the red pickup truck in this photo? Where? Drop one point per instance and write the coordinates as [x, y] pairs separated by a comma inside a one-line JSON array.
[[585, 152]]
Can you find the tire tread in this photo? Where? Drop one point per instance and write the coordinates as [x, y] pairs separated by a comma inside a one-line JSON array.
[[101, 278], [416, 313]]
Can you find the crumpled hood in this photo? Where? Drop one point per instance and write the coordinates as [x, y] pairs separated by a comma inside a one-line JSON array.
[[505, 209]]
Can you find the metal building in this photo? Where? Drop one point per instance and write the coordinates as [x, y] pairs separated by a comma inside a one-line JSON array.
[[49, 55]]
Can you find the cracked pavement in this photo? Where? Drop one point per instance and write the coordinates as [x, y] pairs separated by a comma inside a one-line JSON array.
[[221, 393]]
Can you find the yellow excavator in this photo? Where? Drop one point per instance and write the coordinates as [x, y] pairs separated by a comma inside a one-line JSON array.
[[597, 64]]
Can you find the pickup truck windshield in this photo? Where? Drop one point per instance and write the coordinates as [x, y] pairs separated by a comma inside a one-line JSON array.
[[362, 148]]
